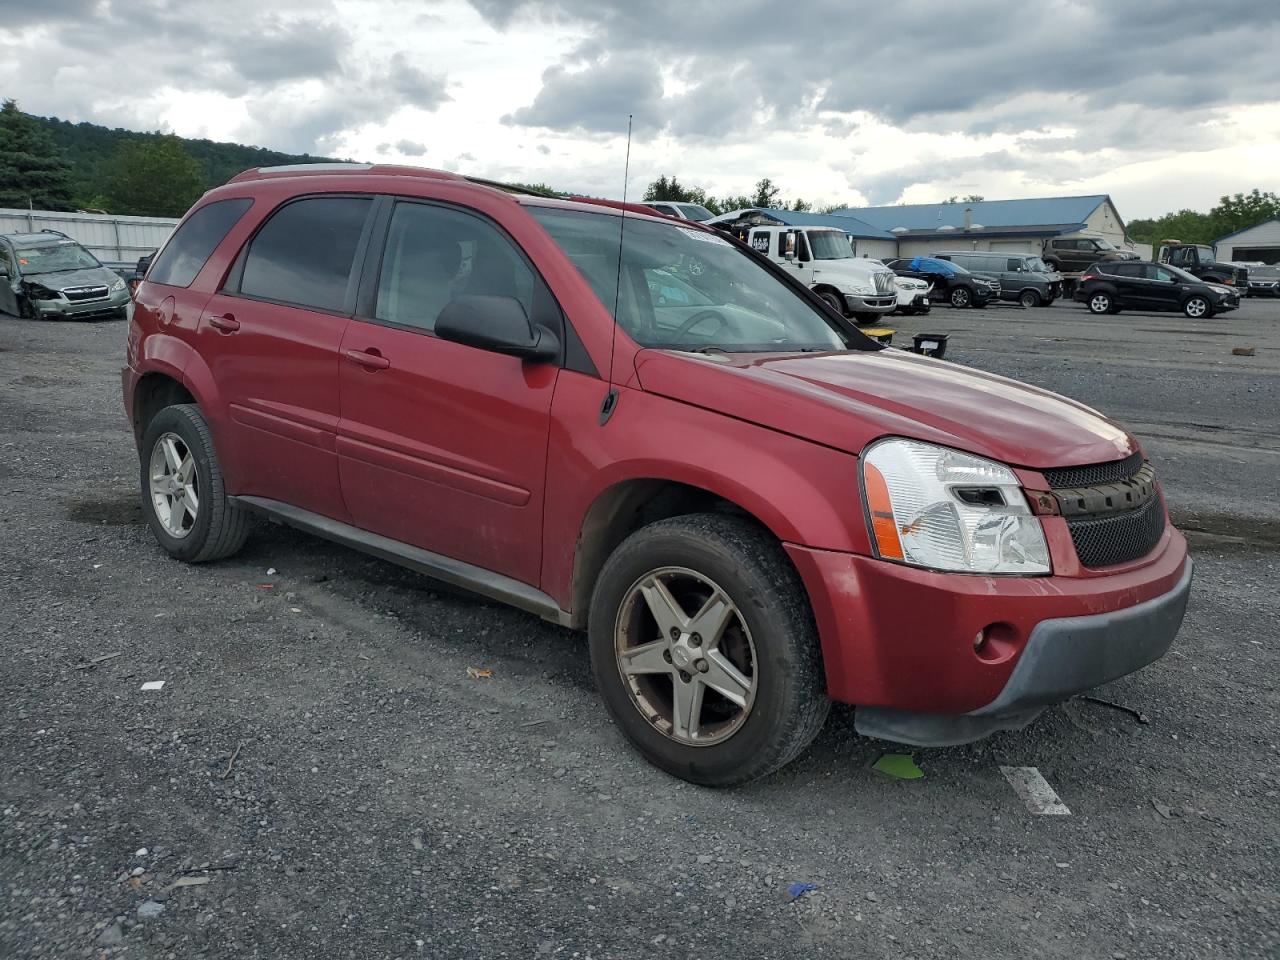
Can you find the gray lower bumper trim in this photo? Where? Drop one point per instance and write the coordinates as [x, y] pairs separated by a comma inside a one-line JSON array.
[[1062, 658]]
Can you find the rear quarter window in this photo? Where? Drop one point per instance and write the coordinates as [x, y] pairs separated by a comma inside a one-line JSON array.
[[195, 239]]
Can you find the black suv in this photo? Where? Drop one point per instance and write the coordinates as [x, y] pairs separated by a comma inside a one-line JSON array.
[[1142, 285], [952, 283]]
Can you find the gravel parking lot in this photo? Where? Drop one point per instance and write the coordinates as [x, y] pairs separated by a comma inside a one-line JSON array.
[[321, 777]]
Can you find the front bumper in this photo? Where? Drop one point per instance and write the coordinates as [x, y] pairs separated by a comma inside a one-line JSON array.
[[898, 641], [878, 303], [60, 309]]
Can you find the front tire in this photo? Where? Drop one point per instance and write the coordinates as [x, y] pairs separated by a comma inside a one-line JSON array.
[[705, 651], [1030, 298], [961, 297], [833, 301], [1197, 308], [183, 496]]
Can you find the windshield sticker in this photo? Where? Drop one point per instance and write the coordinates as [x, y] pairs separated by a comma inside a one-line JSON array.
[[704, 237]]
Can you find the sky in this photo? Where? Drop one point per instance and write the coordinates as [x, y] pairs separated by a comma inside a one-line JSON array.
[[1164, 104]]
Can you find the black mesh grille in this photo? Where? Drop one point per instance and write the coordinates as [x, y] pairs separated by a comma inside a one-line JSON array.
[[1094, 474], [1119, 537], [76, 294]]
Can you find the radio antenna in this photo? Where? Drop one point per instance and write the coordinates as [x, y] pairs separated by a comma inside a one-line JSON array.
[[611, 398]]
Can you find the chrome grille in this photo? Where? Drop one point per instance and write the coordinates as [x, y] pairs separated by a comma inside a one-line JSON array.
[[81, 294], [884, 283]]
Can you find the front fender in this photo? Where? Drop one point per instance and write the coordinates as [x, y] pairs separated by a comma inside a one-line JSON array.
[[801, 491]]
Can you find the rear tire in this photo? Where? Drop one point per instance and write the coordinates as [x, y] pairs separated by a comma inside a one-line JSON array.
[[186, 506], [1101, 303], [767, 635], [961, 297], [1197, 308]]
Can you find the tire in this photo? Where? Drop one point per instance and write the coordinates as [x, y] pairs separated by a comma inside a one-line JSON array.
[[1101, 302], [1030, 298], [1197, 308], [218, 528], [25, 310], [770, 639], [961, 297], [832, 301]]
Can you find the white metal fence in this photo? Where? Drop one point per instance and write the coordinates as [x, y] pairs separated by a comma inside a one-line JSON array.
[[111, 238]]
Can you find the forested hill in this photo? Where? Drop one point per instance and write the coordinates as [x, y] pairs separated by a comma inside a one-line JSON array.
[[90, 149]]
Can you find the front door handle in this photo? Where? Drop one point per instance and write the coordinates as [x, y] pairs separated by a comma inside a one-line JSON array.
[[226, 323], [369, 359]]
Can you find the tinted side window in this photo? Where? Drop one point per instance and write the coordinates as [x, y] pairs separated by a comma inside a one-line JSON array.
[[435, 254], [1123, 269], [1014, 265], [188, 249], [305, 252]]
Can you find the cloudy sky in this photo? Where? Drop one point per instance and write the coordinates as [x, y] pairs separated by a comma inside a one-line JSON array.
[[1162, 103]]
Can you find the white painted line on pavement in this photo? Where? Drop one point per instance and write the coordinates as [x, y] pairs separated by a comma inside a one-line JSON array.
[[153, 685], [1035, 791]]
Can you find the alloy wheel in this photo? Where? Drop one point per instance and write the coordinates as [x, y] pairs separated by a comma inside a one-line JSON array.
[[1100, 303], [1196, 307], [960, 297], [692, 675], [175, 485]]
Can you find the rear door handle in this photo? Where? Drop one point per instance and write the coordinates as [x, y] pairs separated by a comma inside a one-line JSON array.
[[227, 323], [367, 359]]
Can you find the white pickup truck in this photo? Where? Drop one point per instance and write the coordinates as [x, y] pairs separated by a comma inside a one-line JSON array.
[[823, 258]]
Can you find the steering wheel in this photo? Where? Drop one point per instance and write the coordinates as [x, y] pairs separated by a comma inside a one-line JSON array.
[[696, 319]]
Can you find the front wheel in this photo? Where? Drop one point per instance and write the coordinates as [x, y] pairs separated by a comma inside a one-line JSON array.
[[1197, 308], [961, 297], [183, 497], [833, 301], [705, 650], [1101, 303], [1029, 298]]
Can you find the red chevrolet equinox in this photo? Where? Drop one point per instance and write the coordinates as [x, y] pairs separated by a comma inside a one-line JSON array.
[[641, 428]]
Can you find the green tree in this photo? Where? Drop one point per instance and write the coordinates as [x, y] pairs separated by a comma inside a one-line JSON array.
[[798, 205], [671, 190], [766, 193], [152, 178], [1243, 210], [33, 173]]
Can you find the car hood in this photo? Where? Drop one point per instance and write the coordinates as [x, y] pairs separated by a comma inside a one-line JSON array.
[[846, 400], [852, 268], [60, 280]]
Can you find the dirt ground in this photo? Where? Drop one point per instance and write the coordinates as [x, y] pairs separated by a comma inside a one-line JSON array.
[[325, 777]]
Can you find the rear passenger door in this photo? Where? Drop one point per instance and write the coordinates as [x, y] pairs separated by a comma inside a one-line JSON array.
[[271, 337], [443, 445]]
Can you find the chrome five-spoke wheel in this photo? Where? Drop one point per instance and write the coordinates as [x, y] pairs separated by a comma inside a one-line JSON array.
[[175, 491], [686, 656]]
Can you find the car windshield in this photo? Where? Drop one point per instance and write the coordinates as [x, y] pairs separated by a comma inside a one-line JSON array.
[[1036, 265], [695, 212], [687, 289], [1104, 244], [56, 256], [1206, 254], [829, 245]]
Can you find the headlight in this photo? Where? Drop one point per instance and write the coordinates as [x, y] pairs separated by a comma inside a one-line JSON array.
[[861, 290], [118, 284], [939, 508]]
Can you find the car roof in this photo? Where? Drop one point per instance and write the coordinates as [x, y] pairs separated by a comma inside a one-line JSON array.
[[34, 237]]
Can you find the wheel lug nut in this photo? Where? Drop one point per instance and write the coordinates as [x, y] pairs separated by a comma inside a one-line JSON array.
[[685, 677], [675, 633], [695, 640], [702, 666], [666, 655]]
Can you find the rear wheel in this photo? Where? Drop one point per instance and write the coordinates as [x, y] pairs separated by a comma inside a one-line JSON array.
[[705, 651], [1101, 303], [1029, 298], [183, 496], [961, 297], [1197, 308]]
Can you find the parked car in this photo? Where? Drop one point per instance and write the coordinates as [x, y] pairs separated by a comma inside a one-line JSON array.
[[140, 270], [749, 505], [822, 258], [1073, 254], [1264, 280], [913, 295], [681, 211], [1142, 285], [49, 276], [1023, 279], [949, 282]]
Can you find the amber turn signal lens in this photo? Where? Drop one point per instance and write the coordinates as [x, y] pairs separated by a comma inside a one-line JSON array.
[[883, 527]]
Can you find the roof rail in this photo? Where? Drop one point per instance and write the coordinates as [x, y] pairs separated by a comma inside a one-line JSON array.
[[341, 169], [55, 232], [619, 205], [513, 188]]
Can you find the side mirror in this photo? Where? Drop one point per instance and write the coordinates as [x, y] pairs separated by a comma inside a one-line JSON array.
[[498, 324], [788, 241]]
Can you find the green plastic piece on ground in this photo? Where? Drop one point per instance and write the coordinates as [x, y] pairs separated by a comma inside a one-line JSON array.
[[900, 766]]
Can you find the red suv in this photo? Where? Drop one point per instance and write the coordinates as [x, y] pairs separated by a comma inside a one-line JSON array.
[[637, 426]]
